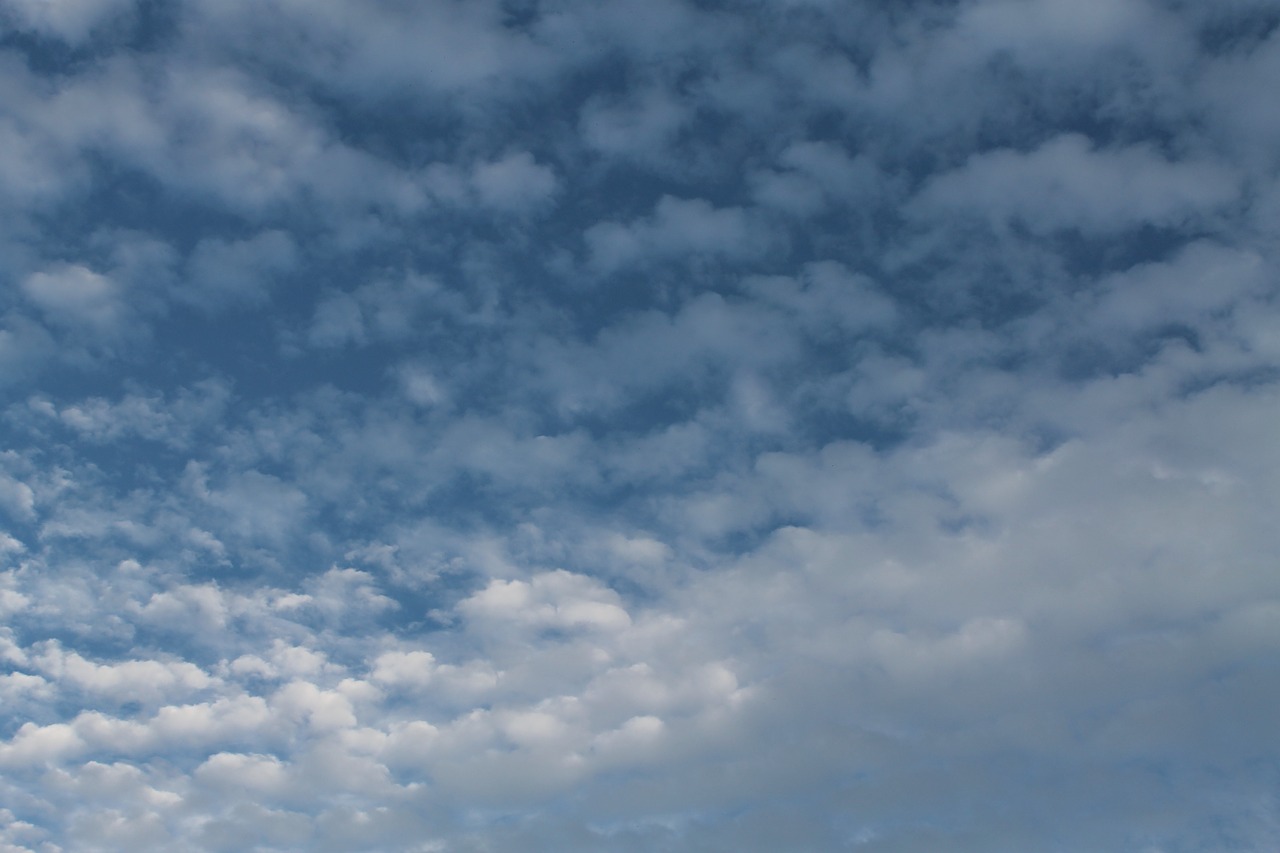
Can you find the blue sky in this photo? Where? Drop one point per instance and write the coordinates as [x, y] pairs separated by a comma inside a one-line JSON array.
[[515, 425]]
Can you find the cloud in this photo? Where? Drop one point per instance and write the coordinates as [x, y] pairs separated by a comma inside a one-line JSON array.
[[558, 600], [677, 227], [652, 425], [134, 415], [17, 497], [77, 297], [377, 311], [338, 321], [515, 183], [70, 20], [387, 51], [134, 680], [30, 170], [412, 669], [815, 175], [1032, 28], [1066, 184]]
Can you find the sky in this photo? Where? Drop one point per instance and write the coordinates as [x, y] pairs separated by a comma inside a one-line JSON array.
[[642, 425]]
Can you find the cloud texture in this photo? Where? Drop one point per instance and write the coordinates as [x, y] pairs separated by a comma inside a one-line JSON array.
[[667, 425]]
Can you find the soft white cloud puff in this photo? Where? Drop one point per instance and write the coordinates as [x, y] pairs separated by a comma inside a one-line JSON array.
[[134, 680], [558, 600]]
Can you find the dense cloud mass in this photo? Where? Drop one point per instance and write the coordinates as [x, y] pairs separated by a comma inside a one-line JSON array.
[[709, 425]]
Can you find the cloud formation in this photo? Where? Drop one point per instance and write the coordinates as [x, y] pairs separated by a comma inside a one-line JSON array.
[[541, 424]]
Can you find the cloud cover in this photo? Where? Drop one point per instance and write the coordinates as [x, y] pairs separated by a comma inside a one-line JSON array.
[[550, 425]]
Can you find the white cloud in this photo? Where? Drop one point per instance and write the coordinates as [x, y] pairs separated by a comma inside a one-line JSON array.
[[420, 386], [77, 297], [1067, 183], [151, 417], [557, 599], [261, 774], [135, 680], [409, 669], [17, 498], [1201, 282], [254, 506], [187, 605], [33, 744], [321, 709], [16, 686]]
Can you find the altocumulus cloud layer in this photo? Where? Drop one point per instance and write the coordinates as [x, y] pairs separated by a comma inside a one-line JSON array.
[[516, 425]]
